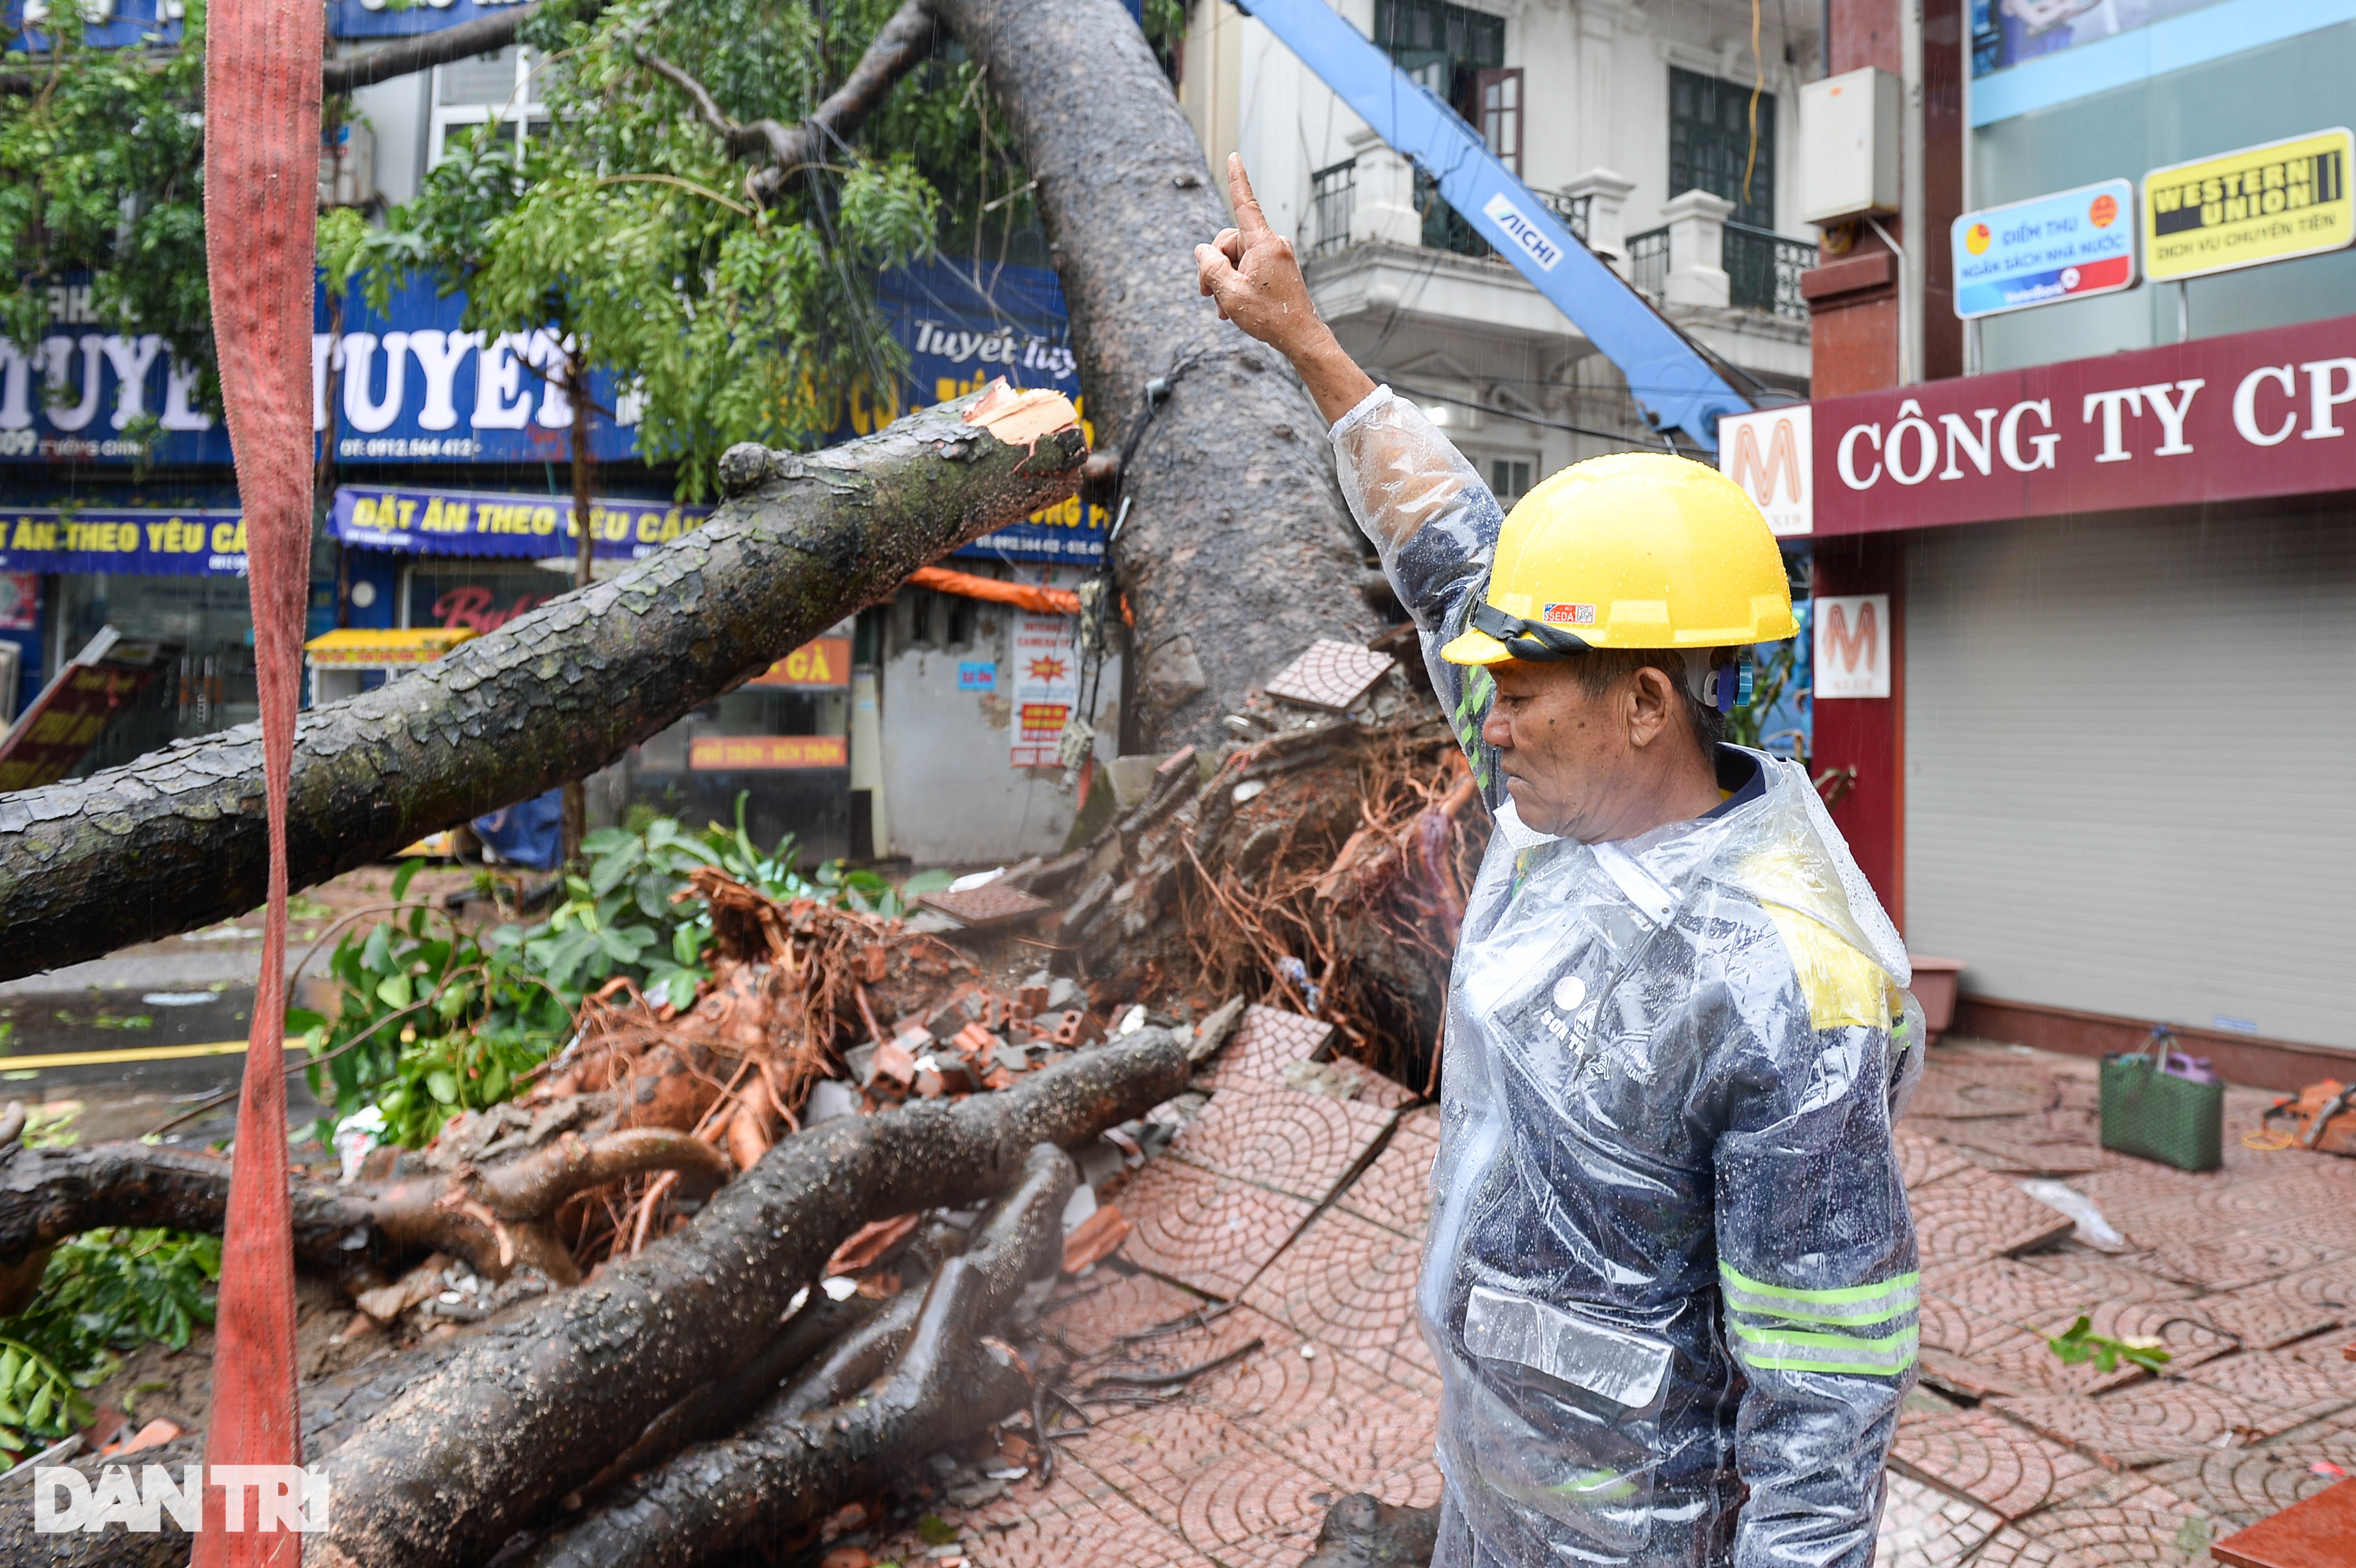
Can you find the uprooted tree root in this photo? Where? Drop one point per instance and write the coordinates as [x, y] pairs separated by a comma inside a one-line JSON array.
[[1323, 870]]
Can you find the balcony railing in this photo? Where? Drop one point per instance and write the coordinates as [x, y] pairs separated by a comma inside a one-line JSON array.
[[1444, 228], [1334, 193], [1571, 209], [1648, 261], [1762, 270]]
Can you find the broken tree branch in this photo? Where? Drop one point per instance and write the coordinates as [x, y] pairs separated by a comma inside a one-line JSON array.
[[538, 1405], [813, 1446], [176, 840], [902, 43], [498, 1219]]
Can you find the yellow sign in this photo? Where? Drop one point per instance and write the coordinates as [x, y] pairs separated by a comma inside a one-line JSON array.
[[2261, 203], [823, 664], [730, 753]]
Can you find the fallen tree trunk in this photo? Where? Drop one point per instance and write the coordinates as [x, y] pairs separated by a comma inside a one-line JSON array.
[[176, 840], [1239, 551], [534, 1407], [812, 1446]]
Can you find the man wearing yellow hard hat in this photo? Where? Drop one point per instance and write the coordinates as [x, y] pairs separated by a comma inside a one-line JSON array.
[[1671, 1276]]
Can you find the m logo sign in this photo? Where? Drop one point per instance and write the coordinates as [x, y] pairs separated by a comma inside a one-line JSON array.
[[1852, 646], [1768, 453]]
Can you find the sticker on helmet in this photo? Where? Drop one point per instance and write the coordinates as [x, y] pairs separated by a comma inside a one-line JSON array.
[[1569, 615], [1569, 992]]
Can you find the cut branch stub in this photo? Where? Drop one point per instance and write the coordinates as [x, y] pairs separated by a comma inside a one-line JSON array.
[[176, 840]]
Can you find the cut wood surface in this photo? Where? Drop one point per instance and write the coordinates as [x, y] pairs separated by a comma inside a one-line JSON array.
[[175, 840]]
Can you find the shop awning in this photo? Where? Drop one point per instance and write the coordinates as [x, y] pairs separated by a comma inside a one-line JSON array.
[[435, 521], [134, 541], [383, 649]]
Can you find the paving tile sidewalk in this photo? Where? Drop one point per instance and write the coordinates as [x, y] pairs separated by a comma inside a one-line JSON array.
[[1297, 1222]]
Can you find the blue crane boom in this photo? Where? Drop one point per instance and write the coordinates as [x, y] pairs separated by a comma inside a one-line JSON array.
[[1675, 385]]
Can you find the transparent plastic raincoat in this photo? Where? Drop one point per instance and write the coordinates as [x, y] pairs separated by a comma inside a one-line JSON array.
[[1671, 1275]]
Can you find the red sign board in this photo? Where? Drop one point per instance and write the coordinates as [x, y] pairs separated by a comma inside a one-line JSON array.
[[734, 753], [2254, 415], [66, 720]]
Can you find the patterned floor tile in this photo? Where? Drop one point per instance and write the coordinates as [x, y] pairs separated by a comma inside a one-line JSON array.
[[1200, 1476], [1957, 1096], [2030, 1154], [2242, 1485], [1298, 1143], [1923, 1159], [1345, 1282], [2126, 1522], [2266, 1317], [1973, 1215], [1395, 1190], [2097, 1278], [1923, 1527], [2331, 1287], [1210, 1232], [2004, 1467], [1091, 1318], [1335, 1418], [1074, 1528], [2290, 1391], [2141, 1425], [1265, 1039], [2229, 1262], [1374, 1089]]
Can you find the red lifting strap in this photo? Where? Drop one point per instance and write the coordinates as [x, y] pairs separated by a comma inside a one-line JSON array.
[[262, 183]]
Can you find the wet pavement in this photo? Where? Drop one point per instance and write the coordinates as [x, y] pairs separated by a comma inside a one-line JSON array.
[[1304, 1217]]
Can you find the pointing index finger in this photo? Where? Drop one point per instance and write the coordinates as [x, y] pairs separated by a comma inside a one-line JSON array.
[[1249, 215]]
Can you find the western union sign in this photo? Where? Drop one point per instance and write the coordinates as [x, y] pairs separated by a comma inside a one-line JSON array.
[[2261, 203]]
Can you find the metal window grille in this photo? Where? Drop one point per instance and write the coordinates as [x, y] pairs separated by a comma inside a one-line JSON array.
[[1333, 195], [1572, 210], [1762, 270], [1648, 261]]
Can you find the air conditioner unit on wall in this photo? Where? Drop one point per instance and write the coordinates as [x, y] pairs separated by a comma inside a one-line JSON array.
[[1848, 145]]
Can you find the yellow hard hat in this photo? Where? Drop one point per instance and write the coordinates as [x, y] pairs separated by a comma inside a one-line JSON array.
[[1639, 549]]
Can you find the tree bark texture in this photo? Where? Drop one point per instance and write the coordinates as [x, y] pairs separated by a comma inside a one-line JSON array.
[[499, 1219], [1239, 551], [533, 1407], [812, 1446], [176, 840]]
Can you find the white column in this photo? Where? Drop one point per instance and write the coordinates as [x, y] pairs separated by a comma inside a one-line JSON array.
[[1383, 207], [1606, 227], [1696, 221]]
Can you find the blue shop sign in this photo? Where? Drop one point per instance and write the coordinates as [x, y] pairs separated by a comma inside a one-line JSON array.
[[2070, 245], [106, 24], [408, 386], [378, 20], [139, 542], [475, 523], [964, 324]]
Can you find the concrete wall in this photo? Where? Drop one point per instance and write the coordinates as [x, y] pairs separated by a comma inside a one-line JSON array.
[[950, 793]]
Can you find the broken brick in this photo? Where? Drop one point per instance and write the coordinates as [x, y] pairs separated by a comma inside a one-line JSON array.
[[895, 1064]]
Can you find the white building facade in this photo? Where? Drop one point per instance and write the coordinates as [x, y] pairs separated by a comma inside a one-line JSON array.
[[1651, 125]]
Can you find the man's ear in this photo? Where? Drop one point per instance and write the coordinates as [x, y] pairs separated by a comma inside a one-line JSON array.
[[1650, 703]]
